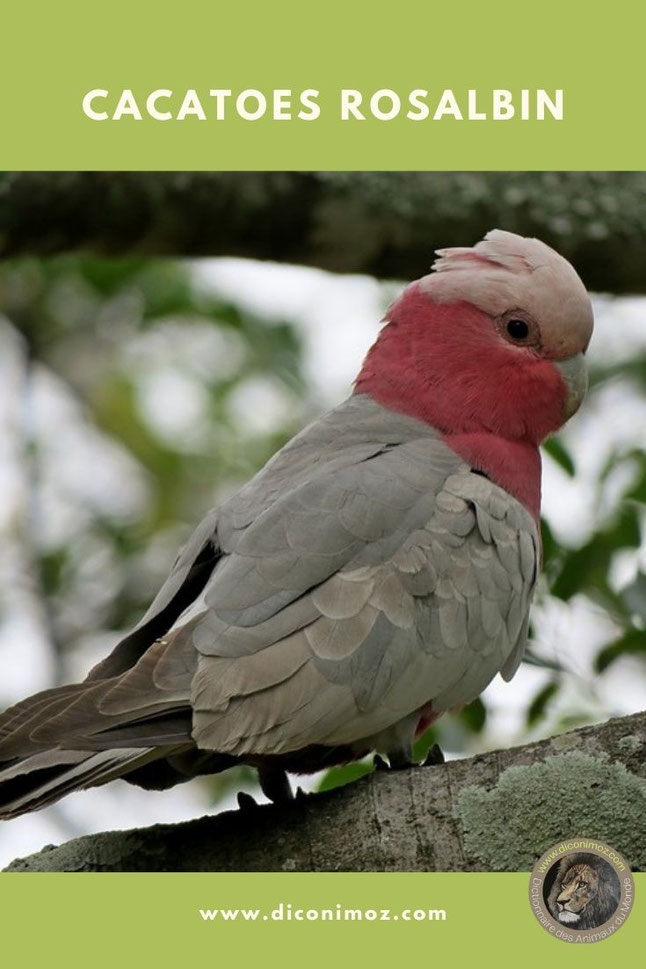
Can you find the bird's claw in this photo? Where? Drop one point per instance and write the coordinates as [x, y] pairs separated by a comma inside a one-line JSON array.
[[246, 802], [434, 757], [393, 763]]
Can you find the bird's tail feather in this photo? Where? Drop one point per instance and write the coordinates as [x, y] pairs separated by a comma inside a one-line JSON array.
[[72, 737], [34, 782]]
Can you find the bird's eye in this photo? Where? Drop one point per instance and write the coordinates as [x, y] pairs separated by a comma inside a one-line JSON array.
[[517, 326], [517, 329]]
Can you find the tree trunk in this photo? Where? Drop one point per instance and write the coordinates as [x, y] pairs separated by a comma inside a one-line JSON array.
[[386, 224], [498, 811]]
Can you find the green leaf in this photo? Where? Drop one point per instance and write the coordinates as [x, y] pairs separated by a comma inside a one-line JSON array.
[[474, 716], [632, 643], [557, 450], [586, 568], [551, 549], [634, 595], [424, 743], [537, 707], [542, 662], [340, 776]]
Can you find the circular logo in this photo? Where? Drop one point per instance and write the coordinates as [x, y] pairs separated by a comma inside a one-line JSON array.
[[581, 890]]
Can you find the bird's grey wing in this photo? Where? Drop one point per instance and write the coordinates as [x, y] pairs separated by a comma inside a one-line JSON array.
[[187, 578], [352, 432], [403, 579]]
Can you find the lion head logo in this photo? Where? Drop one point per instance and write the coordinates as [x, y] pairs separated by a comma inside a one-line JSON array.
[[585, 892]]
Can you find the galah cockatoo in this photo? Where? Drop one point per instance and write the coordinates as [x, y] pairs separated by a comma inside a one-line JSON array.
[[376, 573]]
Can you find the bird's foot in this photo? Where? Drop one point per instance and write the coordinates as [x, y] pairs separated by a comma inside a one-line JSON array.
[[275, 785], [402, 760], [246, 802], [379, 763], [397, 760], [434, 757]]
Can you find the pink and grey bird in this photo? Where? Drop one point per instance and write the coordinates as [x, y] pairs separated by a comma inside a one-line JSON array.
[[377, 572]]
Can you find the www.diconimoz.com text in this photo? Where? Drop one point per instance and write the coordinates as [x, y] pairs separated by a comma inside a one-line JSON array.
[[285, 912]]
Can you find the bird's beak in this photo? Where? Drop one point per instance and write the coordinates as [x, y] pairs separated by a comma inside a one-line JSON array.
[[575, 374]]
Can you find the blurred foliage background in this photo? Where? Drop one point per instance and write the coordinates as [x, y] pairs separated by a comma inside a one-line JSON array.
[[136, 394]]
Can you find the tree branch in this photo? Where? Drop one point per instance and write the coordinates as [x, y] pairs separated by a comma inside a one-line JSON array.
[[386, 224], [498, 811]]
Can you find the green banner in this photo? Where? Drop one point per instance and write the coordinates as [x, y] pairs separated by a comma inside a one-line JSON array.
[[286, 919], [336, 86]]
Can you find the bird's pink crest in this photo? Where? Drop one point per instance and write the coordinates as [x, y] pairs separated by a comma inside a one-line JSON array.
[[505, 271], [504, 250]]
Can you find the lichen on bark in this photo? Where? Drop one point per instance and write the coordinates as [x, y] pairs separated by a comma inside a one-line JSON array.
[[565, 796]]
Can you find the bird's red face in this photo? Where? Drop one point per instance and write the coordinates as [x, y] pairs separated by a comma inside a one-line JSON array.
[[463, 370], [489, 349], [492, 341]]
